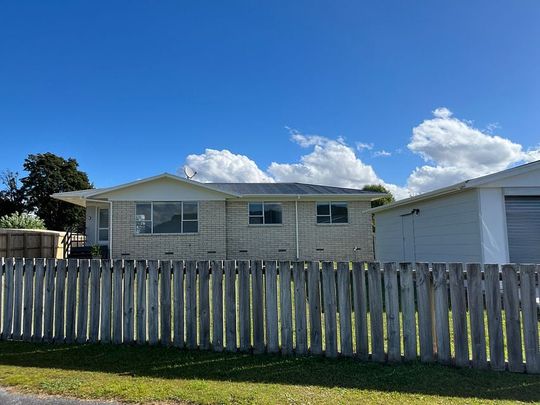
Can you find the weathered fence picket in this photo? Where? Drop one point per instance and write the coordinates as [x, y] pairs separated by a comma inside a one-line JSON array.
[[127, 301]]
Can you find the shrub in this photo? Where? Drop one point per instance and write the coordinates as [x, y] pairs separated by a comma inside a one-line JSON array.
[[21, 221]]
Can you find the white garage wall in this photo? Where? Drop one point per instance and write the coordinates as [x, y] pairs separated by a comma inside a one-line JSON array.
[[493, 225], [445, 230]]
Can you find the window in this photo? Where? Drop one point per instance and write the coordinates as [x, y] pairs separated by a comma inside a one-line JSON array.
[[103, 225], [167, 217], [264, 213], [332, 213]]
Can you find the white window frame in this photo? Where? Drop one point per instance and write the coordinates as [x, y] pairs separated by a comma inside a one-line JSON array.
[[259, 216], [330, 212], [181, 221]]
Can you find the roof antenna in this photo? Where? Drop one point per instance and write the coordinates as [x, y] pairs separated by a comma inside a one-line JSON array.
[[189, 172]]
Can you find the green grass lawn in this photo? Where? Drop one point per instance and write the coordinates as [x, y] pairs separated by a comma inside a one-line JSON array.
[[137, 374]]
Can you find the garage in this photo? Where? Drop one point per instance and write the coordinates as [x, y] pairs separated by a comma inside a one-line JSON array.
[[523, 228]]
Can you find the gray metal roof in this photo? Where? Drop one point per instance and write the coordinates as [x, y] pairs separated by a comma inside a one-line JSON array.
[[284, 189]]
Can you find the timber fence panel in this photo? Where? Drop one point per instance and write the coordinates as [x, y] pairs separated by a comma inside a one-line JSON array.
[[165, 300], [38, 302], [391, 291], [476, 315], [425, 320], [230, 305], [442, 324], [244, 313], [95, 281], [257, 291], [494, 317], [28, 298], [82, 302], [344, 300], [406, 284], [191, 304], [141, 301], [106, 303], [8, 299], [360, 310], [128, 305], [117, 301], [271, 306], [513, 323], [285, 307], [178, 302], [60, 301], [217, 305], [18, 299], [153, 302], [204, 305], [314, 300], [459, 314], [71, 300], [376, 312], [299, 276], [530, 317], [329, 303]]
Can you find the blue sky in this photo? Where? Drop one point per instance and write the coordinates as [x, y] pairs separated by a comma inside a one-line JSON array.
[[131, 88]]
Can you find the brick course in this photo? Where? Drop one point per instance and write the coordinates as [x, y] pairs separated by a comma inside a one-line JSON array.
[[224, 229]]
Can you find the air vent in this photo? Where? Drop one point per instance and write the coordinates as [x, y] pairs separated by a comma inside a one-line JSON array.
[[282, 250], [125, 254], [169, 253], [242, 251], [211, 251], [319, 249]]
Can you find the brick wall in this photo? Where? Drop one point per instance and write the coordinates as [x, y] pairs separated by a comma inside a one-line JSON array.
[[224, 229], [211, 235]]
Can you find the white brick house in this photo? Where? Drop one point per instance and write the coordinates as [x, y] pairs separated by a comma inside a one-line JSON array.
[[169, 217]]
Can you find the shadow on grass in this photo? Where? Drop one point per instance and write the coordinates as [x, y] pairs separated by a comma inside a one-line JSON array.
[[172, 363]]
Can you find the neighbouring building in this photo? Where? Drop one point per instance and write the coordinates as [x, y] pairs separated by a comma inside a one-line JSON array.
[[169, 217], [490, 219]]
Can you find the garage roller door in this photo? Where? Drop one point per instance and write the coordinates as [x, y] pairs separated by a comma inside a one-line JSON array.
[[523, 223]]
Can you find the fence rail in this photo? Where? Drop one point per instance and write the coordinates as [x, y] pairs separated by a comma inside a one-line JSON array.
[[447, 313]]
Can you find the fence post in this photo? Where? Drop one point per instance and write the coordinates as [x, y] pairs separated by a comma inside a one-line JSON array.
[[392, 312], [271, 307], [217, 305], [300, 307], [376, 311], [314, 300], [530, 317], [513, 324], [408, 310], [459, 314], [493, 306], [329, 302], [286, 307], [165, 301], [442, 327], [230, 305], [344, 293], [360, 310]]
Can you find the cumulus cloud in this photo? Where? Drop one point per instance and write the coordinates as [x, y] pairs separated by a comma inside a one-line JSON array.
[[330, 162], [455, 150], [225, 166]]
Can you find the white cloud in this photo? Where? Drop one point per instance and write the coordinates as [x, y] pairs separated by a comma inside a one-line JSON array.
[[456, 151], [330, 162], [225, 166], [362, 146], [381, 153]]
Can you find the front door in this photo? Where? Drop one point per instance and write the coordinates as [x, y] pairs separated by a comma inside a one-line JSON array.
[[103, 226]]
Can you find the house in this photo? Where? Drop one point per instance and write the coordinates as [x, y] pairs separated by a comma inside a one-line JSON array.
[[490, 219], [169, 217]]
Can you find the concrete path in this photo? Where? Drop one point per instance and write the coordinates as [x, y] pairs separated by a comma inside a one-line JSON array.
[[13, 398]]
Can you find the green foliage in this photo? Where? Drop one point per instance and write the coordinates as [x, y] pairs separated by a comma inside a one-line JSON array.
[[49, 174], [96, 252], [11, 197], [21, 221], [378, 188]]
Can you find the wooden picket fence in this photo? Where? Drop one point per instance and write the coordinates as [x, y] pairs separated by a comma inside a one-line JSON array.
[[390, 312]]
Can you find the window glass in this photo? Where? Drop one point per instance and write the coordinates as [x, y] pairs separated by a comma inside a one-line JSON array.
[[272, 213], [191, 226], [103, 218], [103, 234], [339, 213], [167, 217], [190, 211], [323, 208], [256, 220], [255, 209], [143, 218]]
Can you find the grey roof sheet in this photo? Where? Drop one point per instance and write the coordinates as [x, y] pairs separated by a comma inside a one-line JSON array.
[[284, 188]]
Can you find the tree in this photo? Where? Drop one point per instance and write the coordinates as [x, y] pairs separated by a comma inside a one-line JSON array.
[[49, 174], [11, 197], [378, 188]]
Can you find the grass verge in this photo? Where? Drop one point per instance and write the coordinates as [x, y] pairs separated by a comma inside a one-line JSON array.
[[154, 374]]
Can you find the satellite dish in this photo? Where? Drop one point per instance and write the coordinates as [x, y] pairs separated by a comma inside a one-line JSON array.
[[189, 172]]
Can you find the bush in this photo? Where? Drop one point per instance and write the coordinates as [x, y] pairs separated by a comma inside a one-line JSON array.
[[21, 221]]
